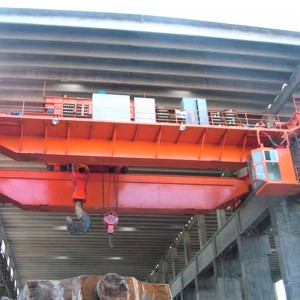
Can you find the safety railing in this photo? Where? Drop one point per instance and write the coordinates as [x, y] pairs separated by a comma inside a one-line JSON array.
[[297, 103], [82, 108], [21, 107]]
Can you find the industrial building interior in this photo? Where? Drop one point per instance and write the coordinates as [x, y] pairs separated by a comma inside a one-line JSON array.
[[235, 249]]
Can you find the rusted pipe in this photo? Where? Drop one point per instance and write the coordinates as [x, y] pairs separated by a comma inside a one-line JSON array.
[[112, 286], [84, 223]]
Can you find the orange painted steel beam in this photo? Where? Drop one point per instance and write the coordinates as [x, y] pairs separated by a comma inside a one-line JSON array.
[[130, 144], [125, 193]]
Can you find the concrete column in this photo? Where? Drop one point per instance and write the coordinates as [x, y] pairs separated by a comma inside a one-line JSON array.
[[165, 271], [228, 285], [201, 230], [285, 218], [188, 293], [187, 246], [175, 262], [221, 217], [197, 289], [179, 296], [228, 289], [153, 278], [257, 281], [207, 288]]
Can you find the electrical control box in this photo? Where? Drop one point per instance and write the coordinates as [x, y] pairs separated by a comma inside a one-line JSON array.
[[144, 110], [111, 107]]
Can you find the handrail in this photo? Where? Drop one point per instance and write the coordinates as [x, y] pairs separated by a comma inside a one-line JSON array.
[[297, 103], [82, 108]]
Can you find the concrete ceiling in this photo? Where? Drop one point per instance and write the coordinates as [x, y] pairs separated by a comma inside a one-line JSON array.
[[76, 53], [81, 53]]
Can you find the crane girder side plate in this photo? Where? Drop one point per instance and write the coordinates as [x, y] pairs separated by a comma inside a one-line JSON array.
[[129, 143], [126, 193]]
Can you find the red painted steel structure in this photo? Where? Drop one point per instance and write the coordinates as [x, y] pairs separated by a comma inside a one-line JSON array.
[[33, 136], [130, 143], [42, 190]]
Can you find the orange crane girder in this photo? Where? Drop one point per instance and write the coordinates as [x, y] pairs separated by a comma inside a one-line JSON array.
[[129, 143], [125, 193]]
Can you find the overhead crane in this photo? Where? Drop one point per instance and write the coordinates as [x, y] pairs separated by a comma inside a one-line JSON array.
[[90, 159]]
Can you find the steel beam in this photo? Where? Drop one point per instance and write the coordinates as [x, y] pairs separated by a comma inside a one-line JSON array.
[[127, 193], [33, 137]]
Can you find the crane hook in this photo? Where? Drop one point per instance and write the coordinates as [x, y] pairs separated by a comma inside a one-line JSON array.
[[85, 220], [80, 176]]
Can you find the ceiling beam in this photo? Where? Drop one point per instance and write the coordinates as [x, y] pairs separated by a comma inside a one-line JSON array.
[[143, 68], [286, 93], [151, 40], [144, 24], [135, 54], [138, 80]]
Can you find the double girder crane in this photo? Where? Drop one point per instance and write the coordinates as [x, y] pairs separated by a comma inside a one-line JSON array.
[[91, 162]]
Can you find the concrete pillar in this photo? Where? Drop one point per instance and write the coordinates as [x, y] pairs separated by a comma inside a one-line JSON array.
[[257, 281], [228, 289], [175, 261], [207, 288], [165, 271], [201, 230], [228, 285], [154, 277], [285, 218], [187, 246], [178, 297], [197, 289], [221, 217], [188, 293]]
